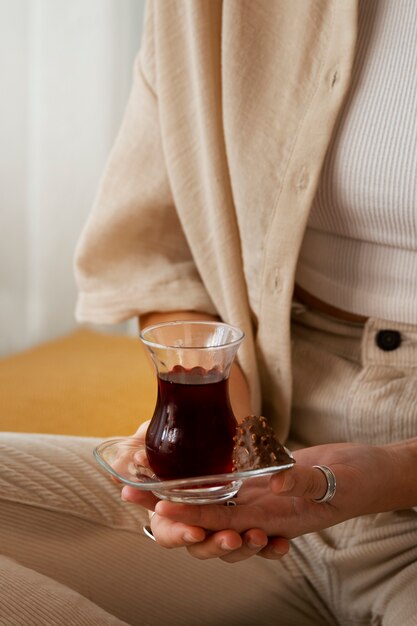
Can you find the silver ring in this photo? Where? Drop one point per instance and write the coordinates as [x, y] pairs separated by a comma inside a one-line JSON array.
[[147, 528], [331, 483], [148, 532]]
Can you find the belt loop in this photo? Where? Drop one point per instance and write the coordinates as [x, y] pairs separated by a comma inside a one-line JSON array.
[[366, 348], [388, 343]]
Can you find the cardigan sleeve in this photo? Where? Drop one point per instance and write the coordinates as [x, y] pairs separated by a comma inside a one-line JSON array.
[[132, 256]]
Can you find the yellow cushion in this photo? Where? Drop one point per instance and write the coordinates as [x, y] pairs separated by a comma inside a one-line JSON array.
[[87, 384]]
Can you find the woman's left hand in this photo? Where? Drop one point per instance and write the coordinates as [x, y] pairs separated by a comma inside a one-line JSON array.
[[273, 510]]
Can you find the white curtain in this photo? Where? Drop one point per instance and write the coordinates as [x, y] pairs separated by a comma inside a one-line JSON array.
[[65, 70]]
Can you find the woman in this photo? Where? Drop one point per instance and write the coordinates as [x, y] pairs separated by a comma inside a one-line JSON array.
[[219, 202]]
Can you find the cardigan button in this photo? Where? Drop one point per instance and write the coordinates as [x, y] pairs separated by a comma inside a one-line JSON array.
[[388, 340]]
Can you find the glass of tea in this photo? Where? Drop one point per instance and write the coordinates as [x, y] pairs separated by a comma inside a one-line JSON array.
[[193, 425]]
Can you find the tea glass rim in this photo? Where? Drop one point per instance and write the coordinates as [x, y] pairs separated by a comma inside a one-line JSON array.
[[155, 344]]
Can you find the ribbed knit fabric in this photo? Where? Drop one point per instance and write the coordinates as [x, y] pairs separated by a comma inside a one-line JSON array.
[[74, 554], [43, 601], [360, 248]]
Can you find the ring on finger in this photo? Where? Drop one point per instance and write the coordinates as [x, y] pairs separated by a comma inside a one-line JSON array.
[[147, 529], [148, 532], [331, 484]]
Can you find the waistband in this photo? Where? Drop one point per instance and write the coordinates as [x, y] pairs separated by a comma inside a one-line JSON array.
[[373, 342]]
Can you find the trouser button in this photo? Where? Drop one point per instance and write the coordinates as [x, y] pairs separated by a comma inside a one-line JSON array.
[[388, 340]]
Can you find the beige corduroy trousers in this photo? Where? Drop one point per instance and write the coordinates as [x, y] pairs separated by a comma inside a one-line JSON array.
[[74, 554]]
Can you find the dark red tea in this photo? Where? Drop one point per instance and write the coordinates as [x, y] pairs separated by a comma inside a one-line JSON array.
[[191, 432]]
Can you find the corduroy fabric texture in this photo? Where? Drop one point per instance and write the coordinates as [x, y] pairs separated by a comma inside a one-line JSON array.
[[45, 602], [62, 518], [86, 383]]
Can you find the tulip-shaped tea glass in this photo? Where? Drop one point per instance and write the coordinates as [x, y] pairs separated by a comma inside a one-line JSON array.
[[187, 456], [192, 429]]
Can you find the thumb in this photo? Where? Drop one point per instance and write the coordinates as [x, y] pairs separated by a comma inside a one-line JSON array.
[[141, 431], [300, 481]]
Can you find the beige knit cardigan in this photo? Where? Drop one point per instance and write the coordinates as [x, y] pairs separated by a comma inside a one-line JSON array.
[[213, 173]]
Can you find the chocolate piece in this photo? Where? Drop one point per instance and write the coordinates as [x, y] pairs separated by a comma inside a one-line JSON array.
[[256, 445]]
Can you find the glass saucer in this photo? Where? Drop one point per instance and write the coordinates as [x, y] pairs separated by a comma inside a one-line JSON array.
[[125, 458]]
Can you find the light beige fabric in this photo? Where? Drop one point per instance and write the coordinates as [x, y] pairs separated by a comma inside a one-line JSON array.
[[74, 554], [62, 520], [28, 598], [217, 162]]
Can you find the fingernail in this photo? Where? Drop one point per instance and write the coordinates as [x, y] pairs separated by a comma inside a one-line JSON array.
[[254, 546], [189, 538], [225, 546], [279, 552]]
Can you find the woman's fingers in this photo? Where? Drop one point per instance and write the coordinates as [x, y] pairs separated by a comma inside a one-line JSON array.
[[213, 517], [301, 482], [136, 496], [233, 548], [216, 545], [276, 548], [253, 542], [229, 546], [171, 534], [275, 511]]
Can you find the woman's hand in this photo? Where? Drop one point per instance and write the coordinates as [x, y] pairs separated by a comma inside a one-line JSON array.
[[226, 544], [283, 506]]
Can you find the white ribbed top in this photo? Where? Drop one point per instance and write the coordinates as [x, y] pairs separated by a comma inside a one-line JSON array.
[[360, 248]]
